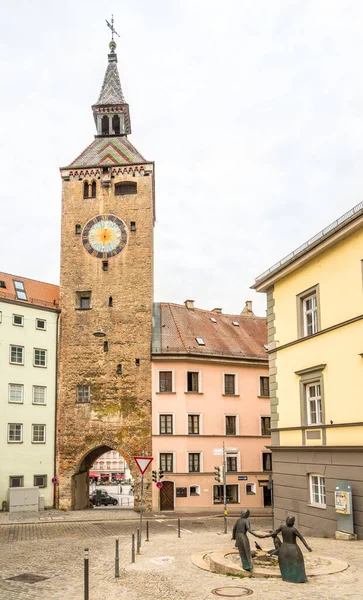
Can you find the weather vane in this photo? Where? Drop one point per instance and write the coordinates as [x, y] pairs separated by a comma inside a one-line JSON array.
[[110, 25]]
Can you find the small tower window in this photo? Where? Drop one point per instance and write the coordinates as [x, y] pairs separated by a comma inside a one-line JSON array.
[[105, 125], [133, 225], [93, 188], [119, 369], [124, 188], [105, 265], [86, 190], [116, 125], [78, 229], [137, 362], [110, 301], [105, 346]]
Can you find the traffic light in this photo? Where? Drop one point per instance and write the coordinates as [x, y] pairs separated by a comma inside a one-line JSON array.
[[218, 474], [155, 476], [161, 474]]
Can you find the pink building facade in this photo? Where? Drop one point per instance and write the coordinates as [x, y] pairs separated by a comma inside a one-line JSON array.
[[210, 385]]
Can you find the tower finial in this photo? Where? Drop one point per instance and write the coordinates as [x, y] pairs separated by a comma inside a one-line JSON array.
[[113, 30]]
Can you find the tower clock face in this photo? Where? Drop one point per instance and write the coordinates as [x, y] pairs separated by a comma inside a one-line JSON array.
[[104, 236]]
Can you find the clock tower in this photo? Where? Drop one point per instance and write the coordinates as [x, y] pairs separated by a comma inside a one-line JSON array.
[[106, 296]]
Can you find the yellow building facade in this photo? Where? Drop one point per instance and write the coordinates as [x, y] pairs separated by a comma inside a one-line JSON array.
[[315, 335]]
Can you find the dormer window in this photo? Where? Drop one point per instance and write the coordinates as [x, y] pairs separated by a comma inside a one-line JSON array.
[[235, 323], [86, 189], [213, 320], [200, 341], [20, 290], [2, 284], [124, 188]]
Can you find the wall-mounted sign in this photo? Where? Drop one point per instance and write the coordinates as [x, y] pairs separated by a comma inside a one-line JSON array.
[[242, 477]]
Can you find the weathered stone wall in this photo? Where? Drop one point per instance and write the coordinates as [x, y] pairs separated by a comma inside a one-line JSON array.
[[119, 412]]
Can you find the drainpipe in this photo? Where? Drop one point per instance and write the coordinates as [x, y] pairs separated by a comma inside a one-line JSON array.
[[55, 414]]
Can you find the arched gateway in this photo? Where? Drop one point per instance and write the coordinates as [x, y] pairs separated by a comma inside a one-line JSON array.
[[104, 382]]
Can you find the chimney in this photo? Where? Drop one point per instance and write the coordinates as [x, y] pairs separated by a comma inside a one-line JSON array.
[[247, 311], [189, 304], [217, 310]]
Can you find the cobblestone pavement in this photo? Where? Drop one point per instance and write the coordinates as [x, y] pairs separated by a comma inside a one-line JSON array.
[[162, 571]]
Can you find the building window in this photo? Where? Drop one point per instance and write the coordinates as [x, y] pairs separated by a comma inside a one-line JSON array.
[[193, 424], [264, 386], [40, 357], [38, 434], [77, 229], [93, 189], [231, 425], [2, 284], [84, 300], [105, 346], [15, 432], [194, 462], [250, 489], [317, 490], [166, 462], [40, 324], [17, 355], [16, 481], [83, 393], [265, 425], [166, 424], [313, 399], [308, 312], [266, 461], [16, 393], [105, 125], [231, 463], [194, 490], [105, 265], [18, 320], [20, 290], [125, 188], [200, 341], [230, 384], [165, 381], [85, 189], [133, 226], [40, 481], [119, 369], [192, 382], [231, 494], [116, 125], [39, 394]]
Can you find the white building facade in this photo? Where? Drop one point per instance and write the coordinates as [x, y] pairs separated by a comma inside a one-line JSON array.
[[28, 368]]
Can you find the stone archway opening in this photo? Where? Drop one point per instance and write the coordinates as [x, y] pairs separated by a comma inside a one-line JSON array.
[[111, 482], [87, 479]]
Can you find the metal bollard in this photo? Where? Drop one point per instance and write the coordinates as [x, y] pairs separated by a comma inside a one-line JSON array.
[[117, 561], [178, 528], [133, 548], [86, 574], [138, 541], [147, 531]]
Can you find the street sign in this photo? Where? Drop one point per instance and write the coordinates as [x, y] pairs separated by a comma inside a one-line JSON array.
[[218, 452], [159, 484], [143, 463], [242, 477]]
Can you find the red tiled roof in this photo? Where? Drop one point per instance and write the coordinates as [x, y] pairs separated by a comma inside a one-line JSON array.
[[180, 326], [37, 292]]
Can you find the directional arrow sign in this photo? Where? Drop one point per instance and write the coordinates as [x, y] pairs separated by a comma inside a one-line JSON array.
[[143, 463]]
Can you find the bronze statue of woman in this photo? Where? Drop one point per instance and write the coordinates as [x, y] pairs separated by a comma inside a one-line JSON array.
[[291, 560], [240, 529]]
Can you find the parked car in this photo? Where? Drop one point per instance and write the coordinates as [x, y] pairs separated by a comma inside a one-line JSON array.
[[102, 498]]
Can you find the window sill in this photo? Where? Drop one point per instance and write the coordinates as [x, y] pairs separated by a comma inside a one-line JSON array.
[[16, 364], [79, 308], [40, 366], [195, 434], [313, 505], [38, 442], [39, 403], [15, 402], [232, 395], [165, 393], [259, 396], [196, 393], [14, 442]]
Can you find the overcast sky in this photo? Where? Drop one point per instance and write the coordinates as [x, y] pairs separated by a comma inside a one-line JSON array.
[[252, 112]]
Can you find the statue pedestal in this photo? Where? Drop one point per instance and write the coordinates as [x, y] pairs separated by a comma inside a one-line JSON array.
[[345, 537]]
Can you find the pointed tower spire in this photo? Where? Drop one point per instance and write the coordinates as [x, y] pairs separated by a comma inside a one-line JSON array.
[[111, 111]]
